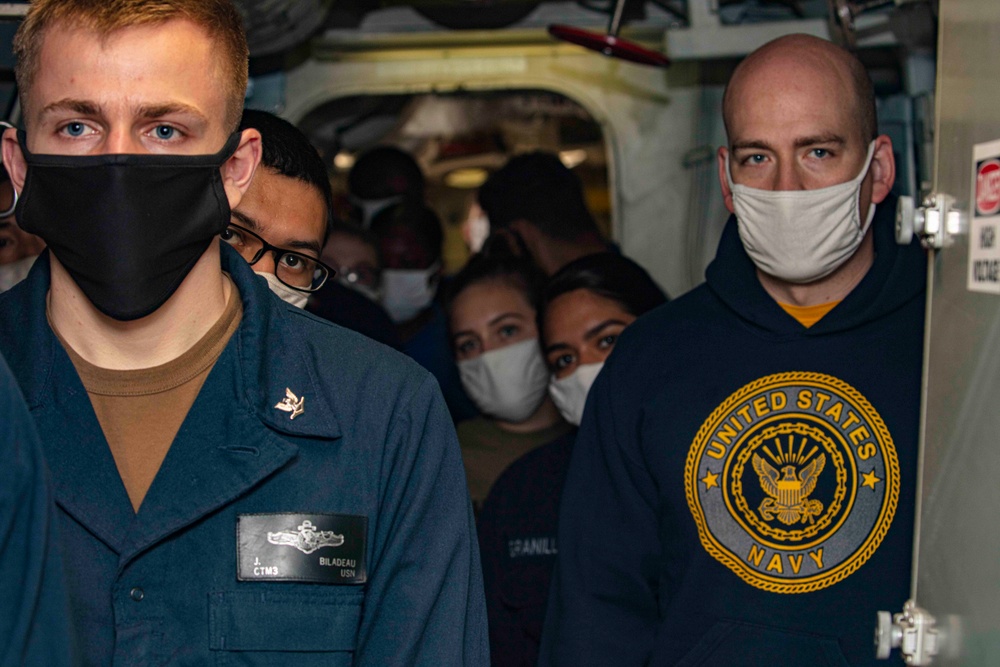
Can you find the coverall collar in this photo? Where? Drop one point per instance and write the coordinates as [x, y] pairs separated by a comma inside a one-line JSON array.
[[268, 370]]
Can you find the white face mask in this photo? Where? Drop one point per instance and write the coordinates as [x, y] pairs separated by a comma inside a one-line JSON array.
[[284, 292], [801, 235], [407, 292], [508, 383], [479, 231], [372, 207], [13, 273], [570, 393]]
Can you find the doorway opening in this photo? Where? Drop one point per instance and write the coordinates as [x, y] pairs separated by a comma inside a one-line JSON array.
[[459, 139]]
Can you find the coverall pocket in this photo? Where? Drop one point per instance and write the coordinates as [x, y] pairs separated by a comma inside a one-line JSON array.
[[736, 644], [256, 628]]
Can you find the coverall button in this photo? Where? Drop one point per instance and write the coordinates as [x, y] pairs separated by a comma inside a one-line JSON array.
[[137, 594]]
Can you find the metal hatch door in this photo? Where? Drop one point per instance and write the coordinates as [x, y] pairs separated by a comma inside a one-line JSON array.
[[957, 551]]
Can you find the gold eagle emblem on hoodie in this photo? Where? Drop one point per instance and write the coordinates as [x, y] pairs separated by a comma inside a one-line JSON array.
[[789, 492]]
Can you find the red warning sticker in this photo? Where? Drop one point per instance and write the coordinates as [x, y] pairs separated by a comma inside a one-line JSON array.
[[988, 187], [984, 227]]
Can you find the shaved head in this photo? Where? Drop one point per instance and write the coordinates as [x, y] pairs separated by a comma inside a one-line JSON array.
[[800, 115], [791, 57]]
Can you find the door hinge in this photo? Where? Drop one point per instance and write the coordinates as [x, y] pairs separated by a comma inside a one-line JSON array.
[[935, 222], [911, 631]]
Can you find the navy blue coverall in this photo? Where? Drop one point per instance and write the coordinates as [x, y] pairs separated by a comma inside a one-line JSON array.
[[33, 613], [373, 451]]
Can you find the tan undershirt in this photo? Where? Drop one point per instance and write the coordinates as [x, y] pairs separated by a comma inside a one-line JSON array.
[[140, 411], [487, 450], [809, 315]]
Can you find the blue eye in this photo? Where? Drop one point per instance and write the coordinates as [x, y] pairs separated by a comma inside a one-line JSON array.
[[165, 132], [75, 129], [820, 152]]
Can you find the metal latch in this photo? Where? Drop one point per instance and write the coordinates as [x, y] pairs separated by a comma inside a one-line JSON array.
[[912, 632], [935, 222]]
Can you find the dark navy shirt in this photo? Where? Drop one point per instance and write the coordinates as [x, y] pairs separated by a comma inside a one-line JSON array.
[[353, 310], [517, 541], [34, 628], [431, 348]]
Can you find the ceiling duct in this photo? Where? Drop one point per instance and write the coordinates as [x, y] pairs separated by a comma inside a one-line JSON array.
[[474, 14], [276, 26]]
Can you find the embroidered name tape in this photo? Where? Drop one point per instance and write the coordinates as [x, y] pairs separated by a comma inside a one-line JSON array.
[[532, 546], [319, 548]]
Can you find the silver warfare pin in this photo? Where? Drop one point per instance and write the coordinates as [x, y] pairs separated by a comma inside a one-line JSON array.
[[291, 403]]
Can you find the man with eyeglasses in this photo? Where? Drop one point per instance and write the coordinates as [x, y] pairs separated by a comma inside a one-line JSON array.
[[354, 253], [352, 298], [281, 223], [280, 226]]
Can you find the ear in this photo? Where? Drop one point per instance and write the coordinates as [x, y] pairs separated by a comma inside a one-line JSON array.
[[883, 169], [727, 193], [238, 170], [13, 159]]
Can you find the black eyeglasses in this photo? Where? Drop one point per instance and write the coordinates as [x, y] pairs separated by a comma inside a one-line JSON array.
[[298, 271]]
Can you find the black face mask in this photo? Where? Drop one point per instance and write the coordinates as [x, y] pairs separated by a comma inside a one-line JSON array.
[[128, 228]]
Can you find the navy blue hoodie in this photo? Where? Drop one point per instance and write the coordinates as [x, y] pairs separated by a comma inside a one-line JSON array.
[[742, 488]]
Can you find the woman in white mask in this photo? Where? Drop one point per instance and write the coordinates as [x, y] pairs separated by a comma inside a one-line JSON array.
[[492, 311], [585, 306]]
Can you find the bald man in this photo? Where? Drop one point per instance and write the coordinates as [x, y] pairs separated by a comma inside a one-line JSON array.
[[742, 486]]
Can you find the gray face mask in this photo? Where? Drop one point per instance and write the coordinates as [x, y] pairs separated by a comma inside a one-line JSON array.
[[800, 236], [508, 384]]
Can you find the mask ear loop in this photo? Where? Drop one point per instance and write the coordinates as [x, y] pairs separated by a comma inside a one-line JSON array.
[[10, 211]]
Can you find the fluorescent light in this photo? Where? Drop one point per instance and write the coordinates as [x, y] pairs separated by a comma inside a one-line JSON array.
[[343, 160], [572, 158], [466, 178]]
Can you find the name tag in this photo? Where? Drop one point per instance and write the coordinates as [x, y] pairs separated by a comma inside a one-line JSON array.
[[522, 547], [319, 548]]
